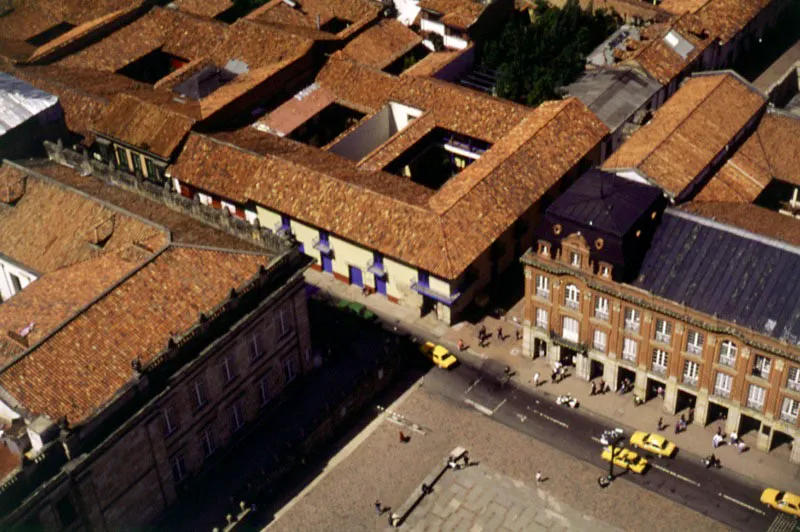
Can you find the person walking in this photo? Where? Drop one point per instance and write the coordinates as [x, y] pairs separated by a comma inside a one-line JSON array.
[[461, 345], [539, 477], [536, 380], [660, 425], [482, 333], [500, 334], [378, 507], [592, 390], [602, 387]]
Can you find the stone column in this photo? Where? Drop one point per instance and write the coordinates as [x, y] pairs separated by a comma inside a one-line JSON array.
[[794, 457], [764, 441], [701, 408], [732, 423], [553, 353], [610, 372], [671, 395], [527, 340], [640, 383], [582, 364]]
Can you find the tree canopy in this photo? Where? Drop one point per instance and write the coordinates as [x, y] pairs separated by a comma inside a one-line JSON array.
[[536, 54]]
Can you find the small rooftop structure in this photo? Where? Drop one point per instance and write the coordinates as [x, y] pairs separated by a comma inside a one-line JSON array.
[[20, 102], [603, 54]]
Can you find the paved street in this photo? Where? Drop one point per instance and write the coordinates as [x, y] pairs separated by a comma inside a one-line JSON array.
[[380, 467], [477, 498]]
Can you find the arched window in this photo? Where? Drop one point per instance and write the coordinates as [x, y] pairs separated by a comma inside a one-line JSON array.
[[572, 296], [727, 353]]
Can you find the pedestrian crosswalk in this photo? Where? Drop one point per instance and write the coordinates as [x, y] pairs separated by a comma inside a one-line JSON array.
[[785, 523]]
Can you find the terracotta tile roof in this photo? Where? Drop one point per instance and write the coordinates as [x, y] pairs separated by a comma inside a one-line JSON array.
[[183, 228], [431, 64], [356, 86], [301, 21], [9, 461], [88, 361], [441, 237], [659, 59], [723, 19], [51, 227], [679, 7], [150, 127], [778, 135], [690, 129], [381, 44], [459, 14], [204, 8], [751, 218], [56, 296]]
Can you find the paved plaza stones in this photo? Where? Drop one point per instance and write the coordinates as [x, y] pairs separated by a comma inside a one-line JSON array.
[[477, 499]]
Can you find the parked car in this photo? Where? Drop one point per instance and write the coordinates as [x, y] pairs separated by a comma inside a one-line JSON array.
[[782, 500], [438, 354], [626, 459], [654, 443]]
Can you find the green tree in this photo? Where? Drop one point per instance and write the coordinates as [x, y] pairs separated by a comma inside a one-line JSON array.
[[534, 55]]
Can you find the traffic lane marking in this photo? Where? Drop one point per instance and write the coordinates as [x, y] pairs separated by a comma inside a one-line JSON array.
[[676, 475], [479, 407], [551, 419], [471, 386], [742, 504]]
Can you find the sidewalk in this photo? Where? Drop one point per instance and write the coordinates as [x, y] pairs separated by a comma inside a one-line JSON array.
[[766, 469]]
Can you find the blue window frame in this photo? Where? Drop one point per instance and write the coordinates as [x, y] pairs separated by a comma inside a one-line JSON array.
[[423, 278], [285, 222]]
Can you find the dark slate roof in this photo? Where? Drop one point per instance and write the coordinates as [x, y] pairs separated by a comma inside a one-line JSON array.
[[739, 276], [605, 201]]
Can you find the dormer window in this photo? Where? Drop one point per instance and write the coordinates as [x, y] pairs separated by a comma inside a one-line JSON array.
[[605, 271], [544, 249], [575, 259]]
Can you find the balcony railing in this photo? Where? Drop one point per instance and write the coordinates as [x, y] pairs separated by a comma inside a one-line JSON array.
[[447, 299], [376, 269], [722, 392], [601, 314], [600, 346], [694, 349], [755, 405], [727, 361], [789, 417], [542, 324], [630, 357], [793, 385], [660, 370], [543, 293], [663, 338], [690, 381], [571, 303], [323, 246], [631, 325]]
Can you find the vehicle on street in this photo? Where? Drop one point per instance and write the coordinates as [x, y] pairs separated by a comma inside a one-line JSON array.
[[654, 443], [626, 459], [438, 354], [782, 500], [567, 400], [611, 436]]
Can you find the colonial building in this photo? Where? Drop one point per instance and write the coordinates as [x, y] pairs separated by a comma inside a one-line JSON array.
[[709, 313], [414, 188], [148, 343]]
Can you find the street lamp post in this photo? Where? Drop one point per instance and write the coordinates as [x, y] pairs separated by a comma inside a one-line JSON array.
[[611, 462]]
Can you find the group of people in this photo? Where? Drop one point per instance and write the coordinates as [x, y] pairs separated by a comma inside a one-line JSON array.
[[600, 388], [733, 438]]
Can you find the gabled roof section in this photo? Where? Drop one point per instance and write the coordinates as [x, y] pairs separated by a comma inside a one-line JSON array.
[[148, 126], [459, 14], [723, 271], [690, 130], [605, 202], [50, 227], [318, 19], [752, 218], [83, 365], [380, 45], [204, 8], [722, 18]]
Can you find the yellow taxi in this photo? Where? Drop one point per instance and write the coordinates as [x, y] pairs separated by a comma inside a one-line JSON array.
[[438, 354], [654, 443], [625, 459], [782, 500]]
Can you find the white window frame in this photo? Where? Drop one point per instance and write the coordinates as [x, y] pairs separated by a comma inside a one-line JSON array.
[[170, 421], [600, 340], [178, 466], [567, 332], [762, 366], [601, 308], [575, 259], [264, 390], [226, 368], [543, 286], [723, 384], [200, 395], [694, 342], [691, 373], [793, 378], [727, 353], [756, 397], [256, 344], [663, 331], [237, 416], [789, 410], [542, 318], [289, 371], [208, 442], [633, 319], [630, 349], [660, 361], [572, 296], [284, 322]]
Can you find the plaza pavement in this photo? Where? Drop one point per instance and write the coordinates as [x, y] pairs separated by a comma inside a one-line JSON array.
[[768, 469], [499, 493]]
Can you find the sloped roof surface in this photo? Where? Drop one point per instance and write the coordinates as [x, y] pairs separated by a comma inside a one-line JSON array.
[[723, 271], [20, 101], [604, 201]]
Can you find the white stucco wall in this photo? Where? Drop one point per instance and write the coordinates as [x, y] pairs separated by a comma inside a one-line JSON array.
[[7, 269]]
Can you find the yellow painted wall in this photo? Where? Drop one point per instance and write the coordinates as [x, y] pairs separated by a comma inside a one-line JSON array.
[[267, 219], [399, 276], [346, 254], [306, 235]]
